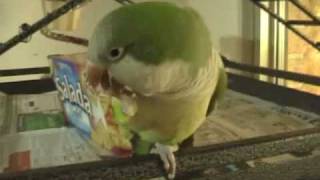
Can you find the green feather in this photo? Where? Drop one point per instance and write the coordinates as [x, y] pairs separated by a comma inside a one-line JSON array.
[[218, 95], [118, 114], [154, 32], [142, 147]]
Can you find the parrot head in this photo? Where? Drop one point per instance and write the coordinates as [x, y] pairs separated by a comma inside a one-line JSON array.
[[151, 47]]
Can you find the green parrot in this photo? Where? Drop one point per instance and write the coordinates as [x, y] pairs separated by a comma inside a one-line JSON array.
[[163, 53]]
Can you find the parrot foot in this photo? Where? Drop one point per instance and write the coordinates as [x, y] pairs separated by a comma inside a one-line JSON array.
[[167, 157]]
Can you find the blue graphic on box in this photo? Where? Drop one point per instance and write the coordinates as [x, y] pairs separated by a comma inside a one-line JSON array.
[[76, 102]]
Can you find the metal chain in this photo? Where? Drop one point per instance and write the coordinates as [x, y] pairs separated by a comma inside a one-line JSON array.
[[25, 33], [64, 38], [27, 30], [72, 39]]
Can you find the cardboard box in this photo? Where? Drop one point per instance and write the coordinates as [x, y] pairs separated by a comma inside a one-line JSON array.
[[90, 107]]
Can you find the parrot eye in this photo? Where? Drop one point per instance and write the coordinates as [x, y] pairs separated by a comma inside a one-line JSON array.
[[115, 54]]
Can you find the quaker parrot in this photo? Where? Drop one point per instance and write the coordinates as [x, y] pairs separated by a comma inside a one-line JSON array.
[[163, 53]]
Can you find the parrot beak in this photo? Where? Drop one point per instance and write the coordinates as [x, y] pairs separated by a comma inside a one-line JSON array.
[[100, 79], [94, 75]]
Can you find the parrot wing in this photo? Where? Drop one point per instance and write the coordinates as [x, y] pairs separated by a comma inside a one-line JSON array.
[[220, 89]]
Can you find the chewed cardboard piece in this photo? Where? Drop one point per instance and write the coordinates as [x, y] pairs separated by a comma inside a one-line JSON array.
[[95, 109]]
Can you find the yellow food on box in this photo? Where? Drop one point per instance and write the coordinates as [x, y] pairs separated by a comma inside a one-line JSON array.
[[90, 106]]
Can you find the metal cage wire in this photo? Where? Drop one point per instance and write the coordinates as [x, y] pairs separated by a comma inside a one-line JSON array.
[[195, 160]]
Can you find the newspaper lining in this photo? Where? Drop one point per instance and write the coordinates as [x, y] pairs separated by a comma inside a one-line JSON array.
[[33, 134]]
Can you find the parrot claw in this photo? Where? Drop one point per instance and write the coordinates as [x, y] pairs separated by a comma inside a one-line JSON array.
[[167, 157]]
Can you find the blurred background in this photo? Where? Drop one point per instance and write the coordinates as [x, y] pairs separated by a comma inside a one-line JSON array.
[[229, 21], [240, 31]]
